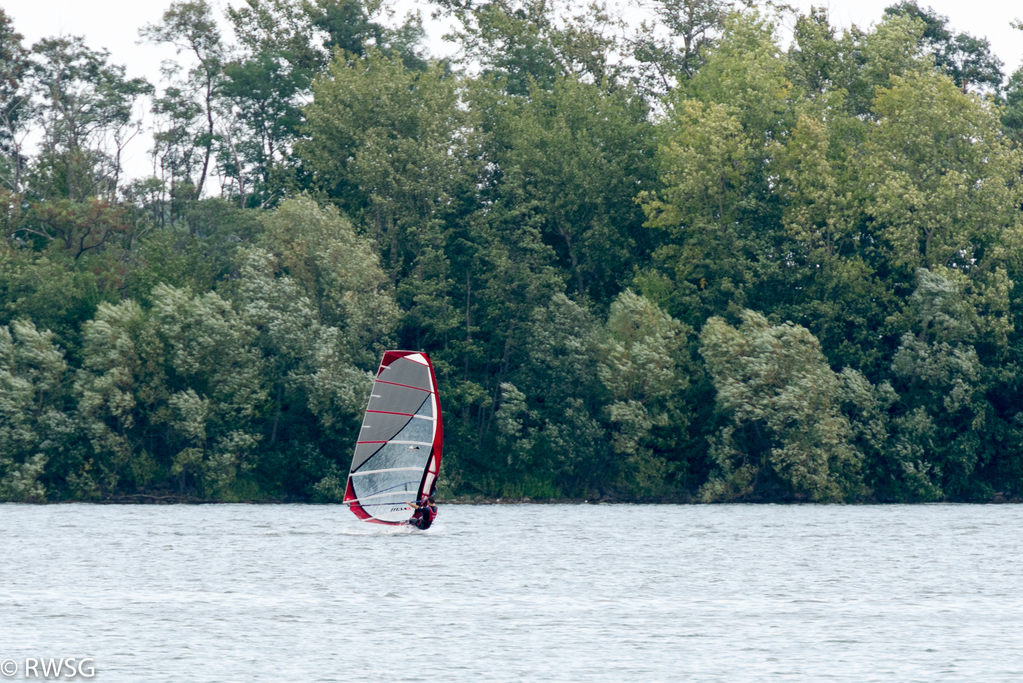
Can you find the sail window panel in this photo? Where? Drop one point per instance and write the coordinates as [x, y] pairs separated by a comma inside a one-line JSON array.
[[404, 485], [426, 410], [382, 426], [391, 398], [416, 430], [386, 479], [391, 475], [407, 372], [390, 507], [394, 456], [363, 452]]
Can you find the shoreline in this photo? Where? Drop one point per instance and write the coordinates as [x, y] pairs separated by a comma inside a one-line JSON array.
[[151, 499]]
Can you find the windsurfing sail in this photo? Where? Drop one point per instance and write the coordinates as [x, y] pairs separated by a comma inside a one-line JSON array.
[[398, 453]]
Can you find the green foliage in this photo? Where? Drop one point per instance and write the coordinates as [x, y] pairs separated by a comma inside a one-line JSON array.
[[693, 27], [337, 271], [967, 59], [265, 86], [746, 70], [15, 104], [172, 389], [189, 105], [642, 367], [945, 381], [199, 252], [838, 218], [395, 150], [86, 110], [534, 42], [576, 155], [784, 434], [35, 427], [555, 429], [48, 289], [927, 156]]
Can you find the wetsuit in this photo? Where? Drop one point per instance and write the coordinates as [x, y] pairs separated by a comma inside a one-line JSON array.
[[424, 516]]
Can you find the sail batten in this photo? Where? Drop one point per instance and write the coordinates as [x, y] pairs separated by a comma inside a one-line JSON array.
[[397, 455], [390, 469]]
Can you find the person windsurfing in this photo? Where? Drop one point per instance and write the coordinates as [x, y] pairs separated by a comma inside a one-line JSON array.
[[426, 512]]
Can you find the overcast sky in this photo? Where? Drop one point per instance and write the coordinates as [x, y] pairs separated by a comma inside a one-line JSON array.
[[114, 25]]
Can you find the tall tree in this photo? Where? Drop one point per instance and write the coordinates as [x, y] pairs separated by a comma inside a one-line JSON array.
[[15, 104], [36, 425], [536, 41], [393, 148], [265, 86], [548, 420], [643, 366], [784, 435], [356, 26], [715, 202], [192, 102], [968, 60], [578, 153], [673, 47], [86, 110]]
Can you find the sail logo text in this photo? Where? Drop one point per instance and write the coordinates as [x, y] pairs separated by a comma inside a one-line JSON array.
[[64, 667]]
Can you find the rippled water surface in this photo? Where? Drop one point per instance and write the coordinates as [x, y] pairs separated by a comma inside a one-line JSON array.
[[518, 593]]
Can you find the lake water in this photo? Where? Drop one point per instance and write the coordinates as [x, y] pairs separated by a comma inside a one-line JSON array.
[[517, 593]]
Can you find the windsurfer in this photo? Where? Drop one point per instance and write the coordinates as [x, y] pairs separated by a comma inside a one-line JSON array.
[[426, 512]]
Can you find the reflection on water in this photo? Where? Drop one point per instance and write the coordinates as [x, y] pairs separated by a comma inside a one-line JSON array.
[[510, 593]]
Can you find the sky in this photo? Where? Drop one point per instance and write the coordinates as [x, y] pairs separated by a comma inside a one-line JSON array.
[[114, 25]]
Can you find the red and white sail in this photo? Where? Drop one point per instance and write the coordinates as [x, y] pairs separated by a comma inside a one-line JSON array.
[[397, 456]]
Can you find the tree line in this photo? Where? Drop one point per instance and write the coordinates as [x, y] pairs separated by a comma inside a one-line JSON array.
[[693, 260]]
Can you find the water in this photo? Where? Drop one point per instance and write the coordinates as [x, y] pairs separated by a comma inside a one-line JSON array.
[[517, 593]]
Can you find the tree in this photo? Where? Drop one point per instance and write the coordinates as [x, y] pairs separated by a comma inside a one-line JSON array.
[[324, 312], [337, 271], [784, 434], [945, 182], [45, 288], [265, 87], [390, 148], [578, 153], [747, 72], [86, 109], [191, 105], [716, 201], [842, 71], [548, 423], [1012, 112], [396, 151], [15, 104], [173, 391], [814, 58], [830, 255], [78, 227], [706, 205], [197, 251], [670, 57], [356, 26], [535, 42], [36, 427], [966, 59], [943, 385], [642, 366]]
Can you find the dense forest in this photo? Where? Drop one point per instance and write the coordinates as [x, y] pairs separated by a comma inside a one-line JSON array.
[[731, 254]]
